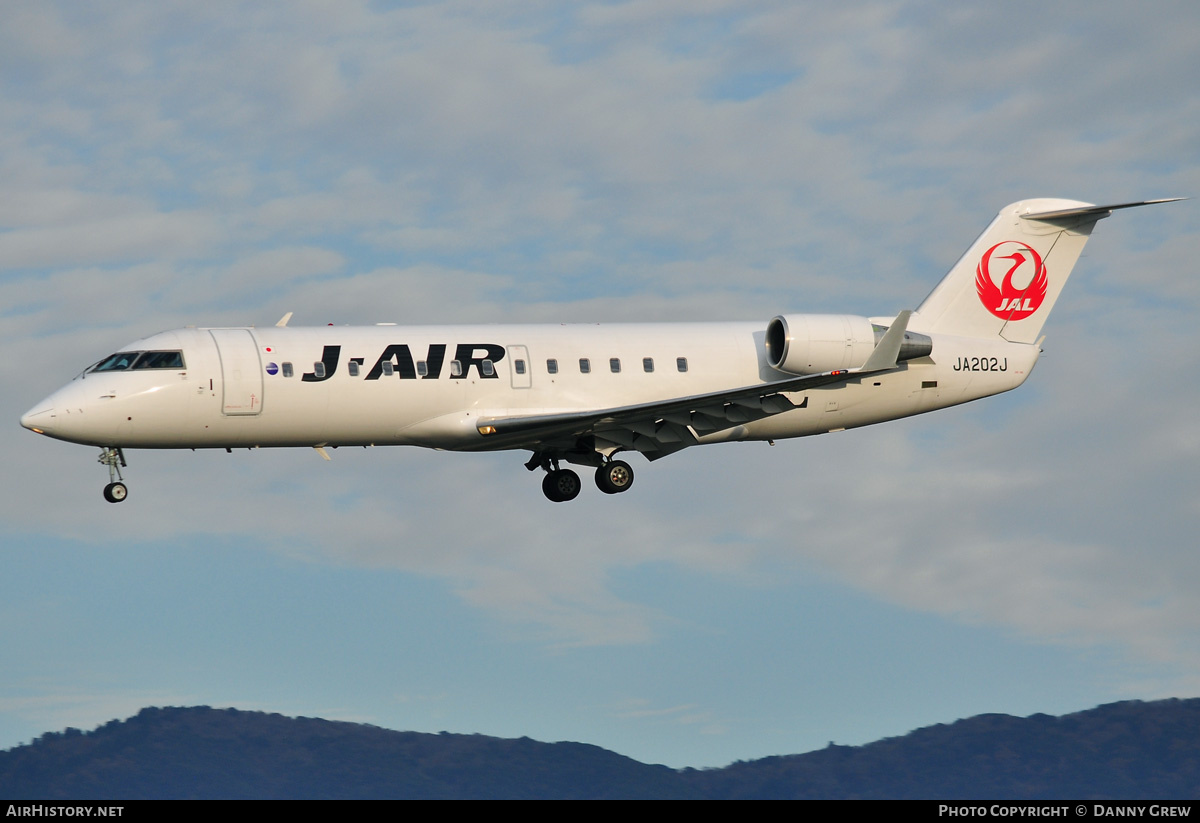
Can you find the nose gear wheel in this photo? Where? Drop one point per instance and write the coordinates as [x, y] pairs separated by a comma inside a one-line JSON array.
[[115, 491]]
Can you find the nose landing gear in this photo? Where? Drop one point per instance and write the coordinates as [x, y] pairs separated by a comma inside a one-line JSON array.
[[115, 491]]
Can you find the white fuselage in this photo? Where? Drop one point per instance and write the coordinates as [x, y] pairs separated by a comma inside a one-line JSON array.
[[583, 394], [234, 391]]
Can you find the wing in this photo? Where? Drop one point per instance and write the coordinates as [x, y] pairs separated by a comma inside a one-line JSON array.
[[661, 427]]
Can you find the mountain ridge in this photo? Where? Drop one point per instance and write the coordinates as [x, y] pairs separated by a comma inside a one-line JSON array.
[[1119, 750]]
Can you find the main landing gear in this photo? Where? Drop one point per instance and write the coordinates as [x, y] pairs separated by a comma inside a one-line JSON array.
[[614, 477], [115, 491], [561, 485]]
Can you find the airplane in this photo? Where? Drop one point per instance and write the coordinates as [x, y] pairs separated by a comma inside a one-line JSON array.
[[584, 394]]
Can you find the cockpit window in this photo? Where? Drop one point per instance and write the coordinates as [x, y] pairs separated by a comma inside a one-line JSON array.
[[117, 362], [123, 360], [160, 360]]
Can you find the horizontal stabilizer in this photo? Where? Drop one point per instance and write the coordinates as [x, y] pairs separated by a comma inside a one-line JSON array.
[[1100, 210]]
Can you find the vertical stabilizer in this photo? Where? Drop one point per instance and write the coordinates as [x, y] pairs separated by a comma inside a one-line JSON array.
[[1008, 281]]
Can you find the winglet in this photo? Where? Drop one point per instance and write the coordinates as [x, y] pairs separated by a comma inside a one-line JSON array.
[[283, 321], [885, 354]]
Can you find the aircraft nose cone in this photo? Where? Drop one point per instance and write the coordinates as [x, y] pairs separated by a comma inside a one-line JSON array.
[[39, 419]]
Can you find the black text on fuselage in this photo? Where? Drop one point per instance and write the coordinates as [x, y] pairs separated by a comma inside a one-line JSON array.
[[397, 359]]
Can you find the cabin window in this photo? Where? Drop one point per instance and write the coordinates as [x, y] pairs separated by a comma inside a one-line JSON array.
[[287, 369], [319, 370], [352, 367], [456, 368], [614, 365], [389, 368], [681, 363], [160, 360], [487, 368], [552, 366], [422, 368], [647, 364], [519, 366], [585, 365]]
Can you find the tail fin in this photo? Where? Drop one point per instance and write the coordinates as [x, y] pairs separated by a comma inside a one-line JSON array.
[[1008, 281]]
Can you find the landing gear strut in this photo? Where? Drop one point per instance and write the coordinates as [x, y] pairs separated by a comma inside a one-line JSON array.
[[115, 491]]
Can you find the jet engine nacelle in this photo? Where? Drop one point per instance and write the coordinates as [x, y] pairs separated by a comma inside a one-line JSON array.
[[816, 343]]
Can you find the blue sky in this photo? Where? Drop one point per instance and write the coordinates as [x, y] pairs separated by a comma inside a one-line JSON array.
[[165, 164]]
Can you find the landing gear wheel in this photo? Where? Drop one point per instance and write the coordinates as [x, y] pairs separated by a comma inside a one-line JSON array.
[[115, 492], [561, 485], [614, 477]]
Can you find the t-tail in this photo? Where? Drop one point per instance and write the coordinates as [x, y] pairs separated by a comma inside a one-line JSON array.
[[1009, 279]]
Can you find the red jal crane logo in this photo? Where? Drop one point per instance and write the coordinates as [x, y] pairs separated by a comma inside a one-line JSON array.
[[1010, 301]]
